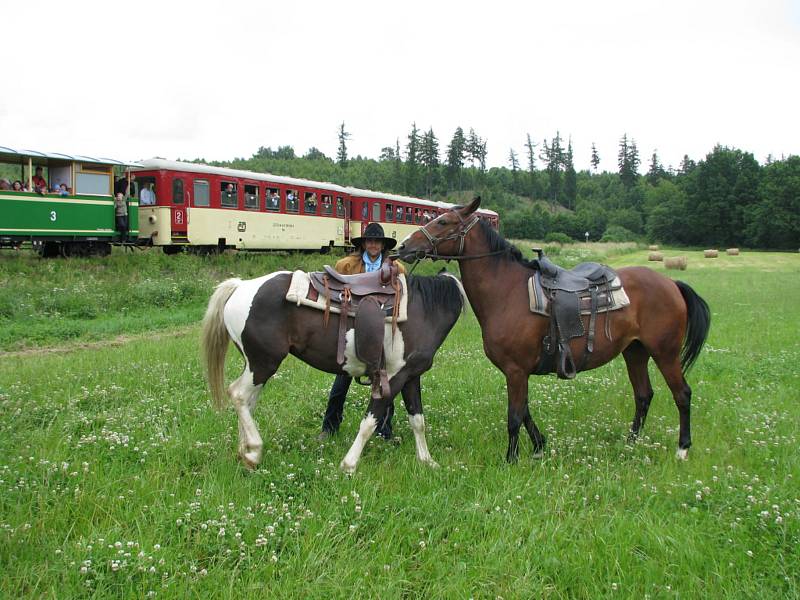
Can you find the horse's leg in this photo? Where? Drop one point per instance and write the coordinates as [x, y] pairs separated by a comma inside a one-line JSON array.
[[412, 397], [636, 358], [673, 374], [244, 395], [376, 413], [518, 413]]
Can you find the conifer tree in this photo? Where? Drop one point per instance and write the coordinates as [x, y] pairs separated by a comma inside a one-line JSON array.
[[455, 159], [595, 160], [341, 155], [430, 159], [531, 148], [570, 179], [412, 161]]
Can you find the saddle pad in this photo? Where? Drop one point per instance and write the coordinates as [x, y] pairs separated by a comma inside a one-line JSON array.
[[298, 294], [539, 303]]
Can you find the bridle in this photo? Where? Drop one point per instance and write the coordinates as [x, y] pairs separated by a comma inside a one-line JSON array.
[[459, 234]]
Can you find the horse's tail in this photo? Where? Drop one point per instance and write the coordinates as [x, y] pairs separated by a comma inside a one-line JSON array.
[[215, 340], [698, 324]]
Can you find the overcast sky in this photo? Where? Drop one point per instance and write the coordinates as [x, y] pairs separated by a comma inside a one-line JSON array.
[[219, 79]]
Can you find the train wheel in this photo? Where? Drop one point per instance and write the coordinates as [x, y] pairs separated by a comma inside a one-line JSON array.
[[49, 249], [100, 249]]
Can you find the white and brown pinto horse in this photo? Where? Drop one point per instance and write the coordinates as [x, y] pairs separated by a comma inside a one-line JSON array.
[[666, 320], [265, 328]]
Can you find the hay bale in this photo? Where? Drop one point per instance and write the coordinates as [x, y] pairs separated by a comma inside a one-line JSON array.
[[710, 253], [653, 247], [676, 262], [732, 252], [655, 256]]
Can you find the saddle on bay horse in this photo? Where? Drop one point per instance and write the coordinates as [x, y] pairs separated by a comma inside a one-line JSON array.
[[566, 296], [372, 297]]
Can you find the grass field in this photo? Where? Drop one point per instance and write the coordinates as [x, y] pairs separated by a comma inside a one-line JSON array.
[[117, 480]]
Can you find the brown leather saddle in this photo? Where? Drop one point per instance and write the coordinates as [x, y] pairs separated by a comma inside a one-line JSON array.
[[371, 297], [585, 288]]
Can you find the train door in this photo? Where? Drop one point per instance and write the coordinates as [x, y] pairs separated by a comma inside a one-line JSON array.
[[178, 205]]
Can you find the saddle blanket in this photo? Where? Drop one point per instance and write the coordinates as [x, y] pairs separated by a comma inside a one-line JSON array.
[[540, 304], [298, 294]]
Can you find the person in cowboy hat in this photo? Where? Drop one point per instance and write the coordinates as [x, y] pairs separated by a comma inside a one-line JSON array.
[[369, 255]]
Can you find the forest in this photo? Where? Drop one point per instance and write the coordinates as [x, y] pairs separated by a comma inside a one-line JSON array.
[[724, 199]]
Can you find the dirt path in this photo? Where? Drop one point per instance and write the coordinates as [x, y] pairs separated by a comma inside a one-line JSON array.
[[117, 341]]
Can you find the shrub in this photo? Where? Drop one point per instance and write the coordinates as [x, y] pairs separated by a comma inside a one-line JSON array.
[[557, 237], [617, 233]]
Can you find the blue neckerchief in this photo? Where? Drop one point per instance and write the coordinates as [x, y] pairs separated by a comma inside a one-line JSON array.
[[371, 265]]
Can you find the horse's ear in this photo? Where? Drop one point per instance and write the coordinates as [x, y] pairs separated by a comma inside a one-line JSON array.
[[472, 206]]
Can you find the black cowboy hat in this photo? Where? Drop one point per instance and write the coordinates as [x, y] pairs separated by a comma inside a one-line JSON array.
[[375, 232]]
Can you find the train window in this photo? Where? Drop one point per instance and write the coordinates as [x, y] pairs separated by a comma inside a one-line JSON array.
[[389, 212], [251, 196], [399, 213], [339, 206], [365, 210], [310, 203], [202, 195], [229, 195], [292, 203], [409, 215], [273, 199], [376, 211], [177, 191], [327, 204], [417, 216]]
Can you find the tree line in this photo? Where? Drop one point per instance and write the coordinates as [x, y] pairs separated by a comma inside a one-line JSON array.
[[725, 199]]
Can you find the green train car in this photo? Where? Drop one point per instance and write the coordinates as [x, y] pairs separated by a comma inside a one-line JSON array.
[[63, 205]]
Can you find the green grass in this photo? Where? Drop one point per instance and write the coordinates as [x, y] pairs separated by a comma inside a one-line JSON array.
[[118, 480]]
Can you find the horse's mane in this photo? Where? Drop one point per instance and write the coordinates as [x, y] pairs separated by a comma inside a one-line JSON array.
[[497, 243], [437, 292]]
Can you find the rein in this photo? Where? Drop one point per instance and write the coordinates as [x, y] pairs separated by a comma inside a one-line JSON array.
[[460, 234]]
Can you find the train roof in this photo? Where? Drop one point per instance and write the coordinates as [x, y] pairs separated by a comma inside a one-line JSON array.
[[174, 165], [13, 155]]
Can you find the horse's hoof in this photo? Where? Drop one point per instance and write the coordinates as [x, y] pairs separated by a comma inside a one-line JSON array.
[[324, 436], [347, 468], [251, 464], [682, 454], [539, 454], [432, 464]]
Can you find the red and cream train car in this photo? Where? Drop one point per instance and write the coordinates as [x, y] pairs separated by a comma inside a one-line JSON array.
[[212, 208]]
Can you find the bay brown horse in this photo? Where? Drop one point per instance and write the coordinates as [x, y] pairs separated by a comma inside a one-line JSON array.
[[265, 328], [666, 321]]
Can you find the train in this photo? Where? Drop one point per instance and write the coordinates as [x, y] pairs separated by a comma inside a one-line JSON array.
[[187, 206]]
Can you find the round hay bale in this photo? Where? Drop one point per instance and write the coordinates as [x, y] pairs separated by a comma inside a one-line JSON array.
[[732, 252], [653, 247], [676, 263], [710, 253], [655, 256]]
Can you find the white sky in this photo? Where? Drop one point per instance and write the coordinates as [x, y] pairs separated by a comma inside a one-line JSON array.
[[219, 79]]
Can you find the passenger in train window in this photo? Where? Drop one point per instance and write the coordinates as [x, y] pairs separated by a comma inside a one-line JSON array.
[[63, 190], [291, 201], [146, 195], [39, 183], [399, 214], [310, 203], [17, 186], [339, 207], [5, 184], [389, 212], [364, 211], [274, 201]]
